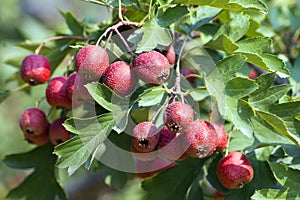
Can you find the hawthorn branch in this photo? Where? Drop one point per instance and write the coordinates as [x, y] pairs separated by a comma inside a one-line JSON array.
[[177, 88], [38, 49], [114, 28]]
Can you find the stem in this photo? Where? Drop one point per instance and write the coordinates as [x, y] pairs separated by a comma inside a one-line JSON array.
[[120, 10], [107, 41], [160, 109], [177, 88], [21, 87], [124, 42], [70, 62], [228, 139], [38, 102], [115, 29], [38, 49], [148, 14]]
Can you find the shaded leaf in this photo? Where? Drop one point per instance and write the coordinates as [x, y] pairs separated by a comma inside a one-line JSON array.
[[151, 96], [240, 87], [171, 15], [91, 134], [266, 97], [180, 178], [230, 66], [240, 5], [101, 94], [34, 187]]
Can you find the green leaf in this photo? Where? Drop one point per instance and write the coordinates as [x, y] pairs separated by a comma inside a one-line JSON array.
[[152, 37], [57, 55], [277, 123], [32, 46], [151, 96], [171, 15], [265, 134], [271, 194], [254, 45], [175, 180], [240, 113], [139, 115], [287, 112], [101, 94], [74, 25], [224, 43], [239, 87], [230, 66], [287, 177], [120, 110], [264, 81], [73, 154], [239, 5], [236, 29], [203, 15], [114, 178], [268, 62], [41, 184], [198, 94], [91, 134], [4, 94], [265, 98]]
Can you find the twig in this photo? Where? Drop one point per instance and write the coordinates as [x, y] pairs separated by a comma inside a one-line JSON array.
[[177, 88], [228, 139], [120, 10], [115, 29], [70, 61], [107, 41], [160, 109], [38, 49]]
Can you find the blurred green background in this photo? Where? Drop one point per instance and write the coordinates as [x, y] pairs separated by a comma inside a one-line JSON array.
[[28, 20], [39, 19]]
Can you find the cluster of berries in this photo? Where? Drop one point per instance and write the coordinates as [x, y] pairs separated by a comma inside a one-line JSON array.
[[37, 129], [180, 137]]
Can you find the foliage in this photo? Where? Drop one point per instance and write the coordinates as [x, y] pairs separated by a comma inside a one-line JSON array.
[[223, 42]]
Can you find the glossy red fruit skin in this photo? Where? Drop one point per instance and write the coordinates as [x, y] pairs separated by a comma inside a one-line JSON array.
[[57, 132], [35, 69], [120, 78], [145, 137], [234, 170], [57, 94], [221, 135], [91, 63], [152, 67], [178, 116], [38, 140], [201, 139], [186, 72], [170, 54], [33, 121], [170, 145]]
